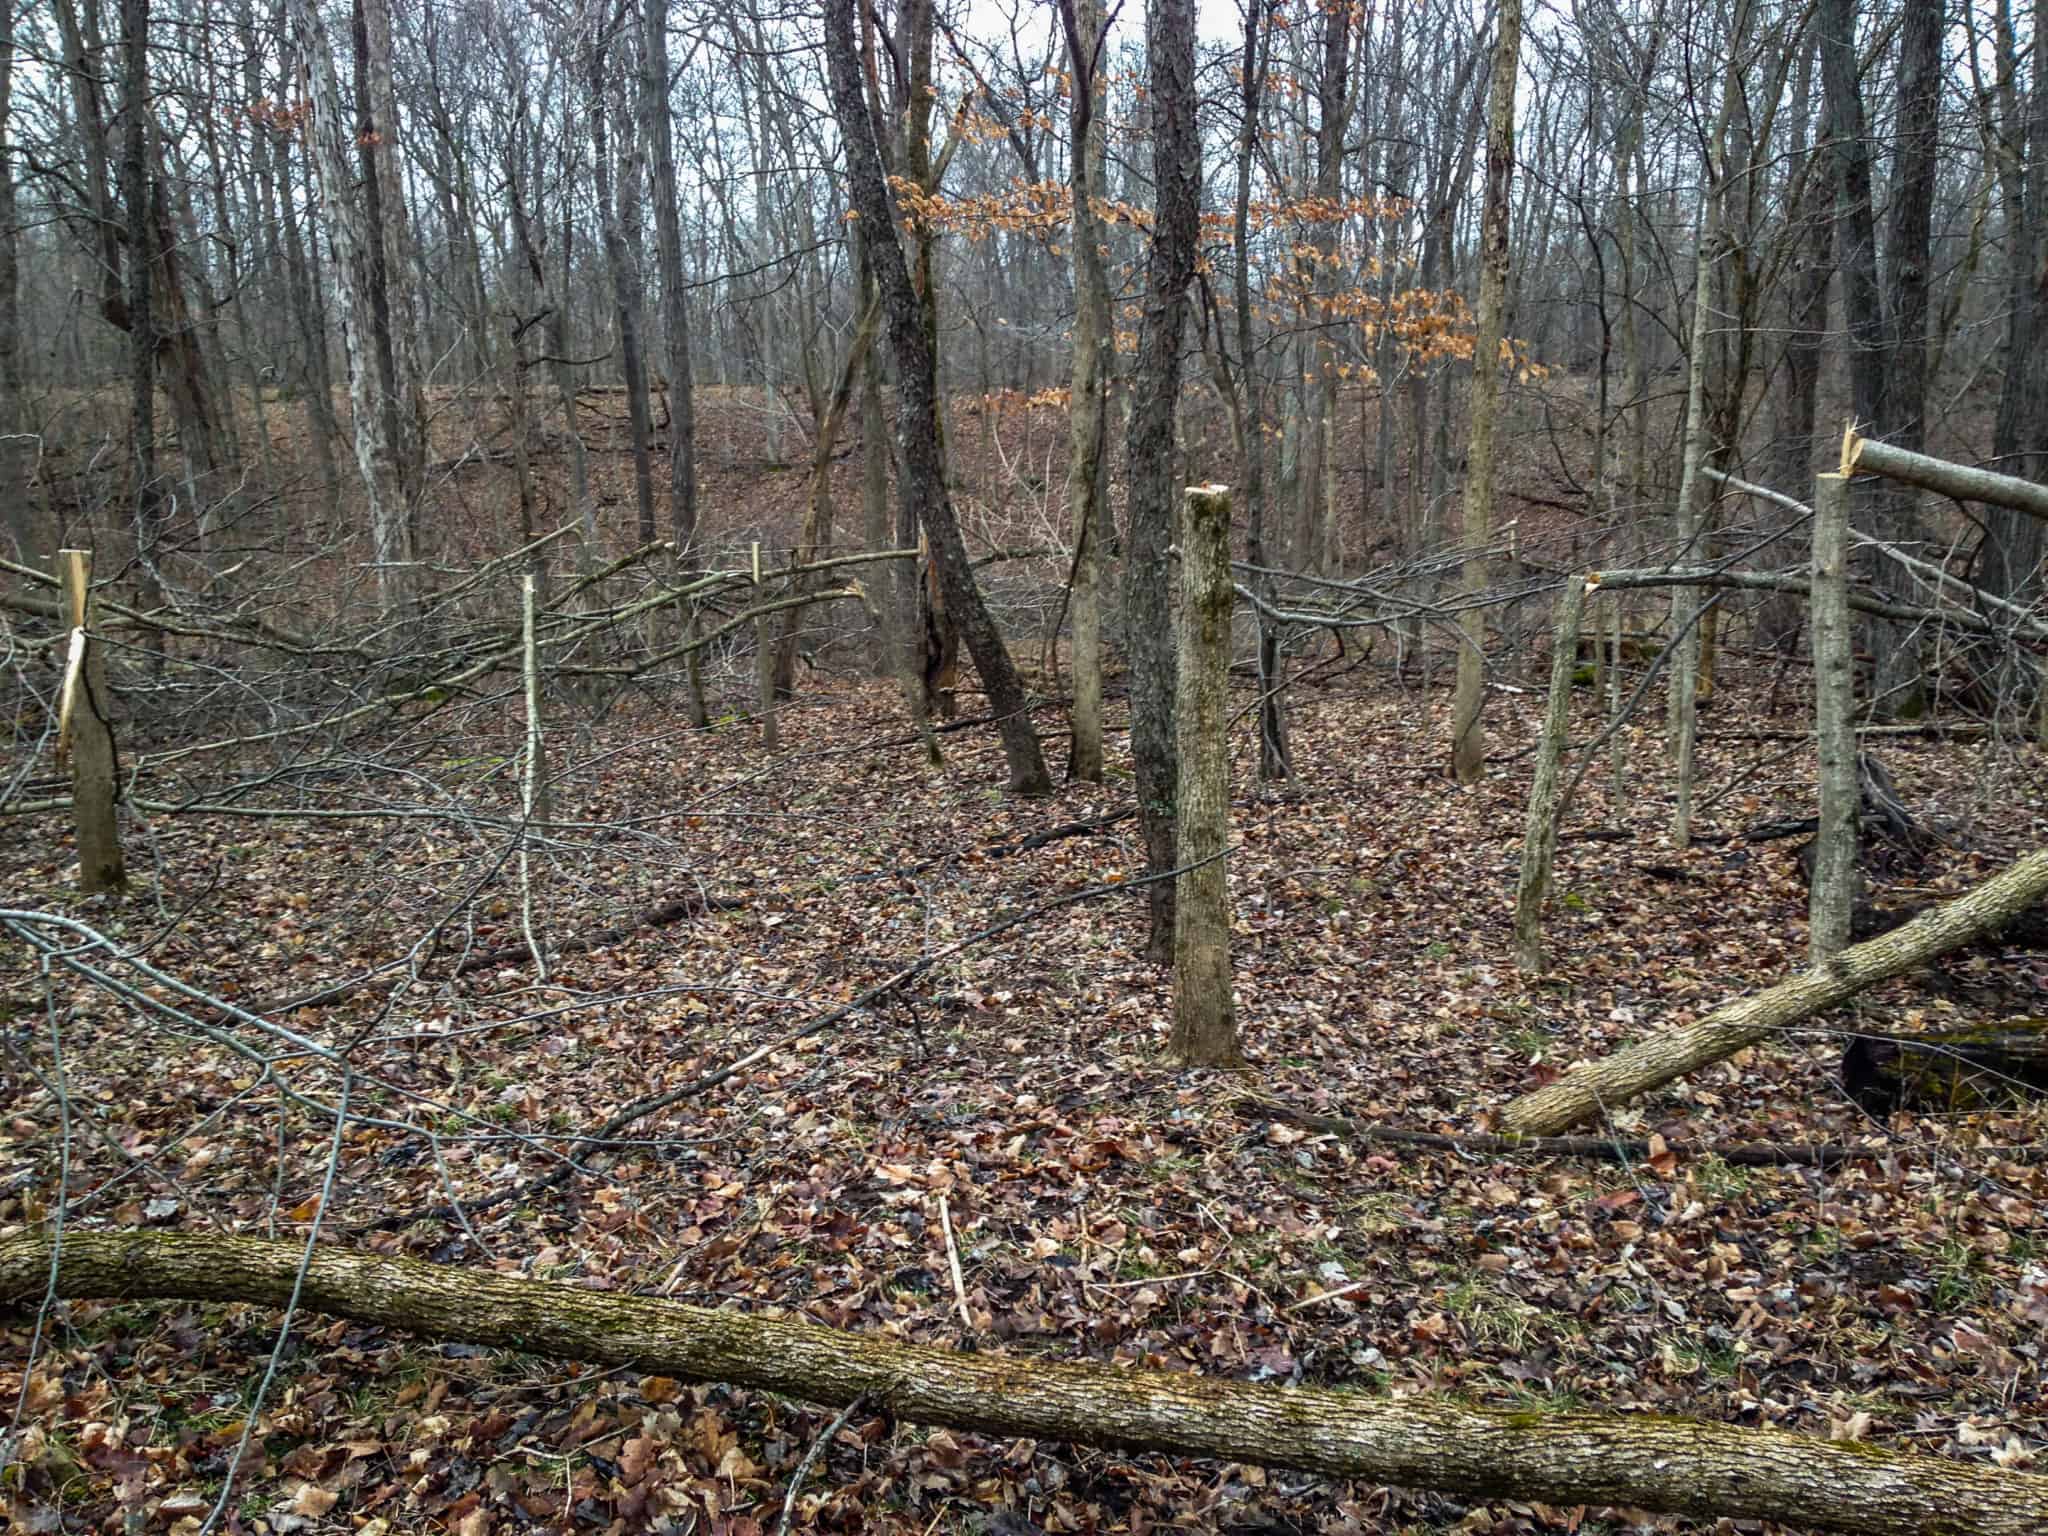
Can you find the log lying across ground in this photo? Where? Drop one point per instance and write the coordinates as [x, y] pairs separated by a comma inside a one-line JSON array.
[[1595, 1085], [1657, 1463]]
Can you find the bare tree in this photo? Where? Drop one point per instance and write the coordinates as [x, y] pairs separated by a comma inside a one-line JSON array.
[[922, 486]]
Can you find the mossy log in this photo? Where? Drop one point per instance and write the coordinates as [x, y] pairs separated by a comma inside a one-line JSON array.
[[1669, 1464], [1954, 1070]]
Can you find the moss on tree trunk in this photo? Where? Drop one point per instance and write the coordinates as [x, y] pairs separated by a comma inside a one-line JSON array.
[[1671, 1464]]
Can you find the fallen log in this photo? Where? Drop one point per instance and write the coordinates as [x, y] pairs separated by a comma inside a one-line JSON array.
[[1591, 1086], [1950, 1071], [1650, 1462]]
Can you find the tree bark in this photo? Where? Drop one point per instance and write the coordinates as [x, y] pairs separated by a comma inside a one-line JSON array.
[[86, 729], [1539, 835], [1831, 899], [612, 213], [1204, 1017], [1468, 735], [1088, 394], [351, 243], [1148, 452], [1652, 1462], [1613, 1080], [922, 486]]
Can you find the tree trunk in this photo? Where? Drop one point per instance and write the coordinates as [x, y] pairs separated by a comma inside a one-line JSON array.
[[1831, 898], [923, 486], [816, 534], [612, 209], [1614, 1080], [15, 454], [350, 240], [86, 730], [1468, 735], [1204, 1017], [1088, 396], [1568, 1458], [1148, 452], [1539, 834], [145, 495]]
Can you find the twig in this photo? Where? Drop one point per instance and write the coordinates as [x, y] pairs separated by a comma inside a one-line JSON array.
[[953, 1260], [803, 1468]]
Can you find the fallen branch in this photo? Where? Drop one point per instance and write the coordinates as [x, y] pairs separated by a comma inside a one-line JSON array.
[[1650, 1462], [1595, 1085]]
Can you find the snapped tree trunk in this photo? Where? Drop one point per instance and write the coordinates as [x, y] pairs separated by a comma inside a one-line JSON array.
[[1204, 1018], [1832, 896], [85, 730], [1613, 1080], [1650, 1462]]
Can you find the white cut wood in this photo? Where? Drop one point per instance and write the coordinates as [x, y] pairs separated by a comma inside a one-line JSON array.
[[87, 708]]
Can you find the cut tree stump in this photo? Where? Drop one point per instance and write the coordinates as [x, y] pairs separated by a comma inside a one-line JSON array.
[[1952, 1071], [1646, 1461]]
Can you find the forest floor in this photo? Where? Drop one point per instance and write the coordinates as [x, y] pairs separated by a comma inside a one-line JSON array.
[[1106, 1206]]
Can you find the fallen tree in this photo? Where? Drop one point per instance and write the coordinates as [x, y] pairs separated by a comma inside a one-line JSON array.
[[1591, 1086], [1658, 1463]]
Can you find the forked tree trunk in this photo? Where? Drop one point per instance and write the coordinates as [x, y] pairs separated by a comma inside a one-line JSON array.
[[1614, 1080], [1650, 1462]]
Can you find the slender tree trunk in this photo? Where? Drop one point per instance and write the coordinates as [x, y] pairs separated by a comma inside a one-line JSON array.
[[350, 239], [613, 206], [145, 495], [1832, 889], [1088, 395], [923, 482], [1204, 1015], [1468, 736], [1149, 456], [14, 455]]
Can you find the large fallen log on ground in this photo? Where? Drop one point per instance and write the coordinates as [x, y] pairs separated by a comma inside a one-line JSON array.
[[1591, 1086], [1649, 1462]]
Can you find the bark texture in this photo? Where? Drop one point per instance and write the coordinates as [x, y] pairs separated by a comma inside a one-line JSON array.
[[1834, 704], [1468, 736], [1591, 1086], [1566, 1458], [1204, 1018], [1148, 454], [1539, 836], [922, 485], [1094, 362]]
